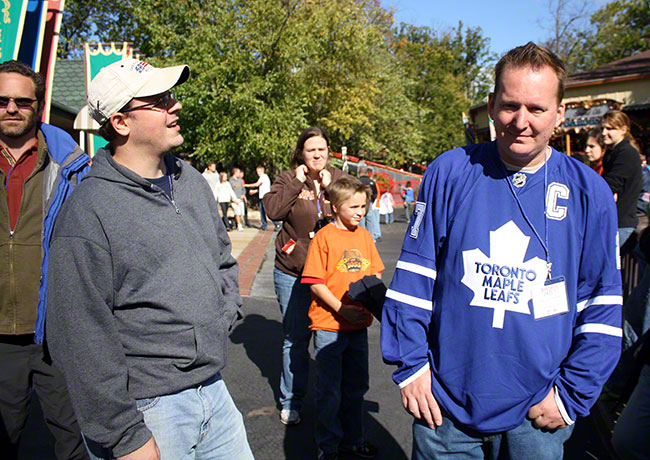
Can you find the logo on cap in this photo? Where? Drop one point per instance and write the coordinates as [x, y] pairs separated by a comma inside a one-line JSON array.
[[141, 66]]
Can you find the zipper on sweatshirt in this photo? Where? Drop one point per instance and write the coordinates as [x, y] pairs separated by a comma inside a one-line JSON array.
[[178, 211], [171, 192], [171, 199]]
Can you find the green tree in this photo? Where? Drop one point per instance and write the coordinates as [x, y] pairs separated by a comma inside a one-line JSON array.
[[622, 29], [349, 81], [96, 20], [238, 106], [616, 30], [444, 71], [262, 70], [472, 59]]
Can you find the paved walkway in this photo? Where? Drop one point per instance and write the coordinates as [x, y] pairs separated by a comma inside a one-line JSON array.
[[248, 247], [250, 257]]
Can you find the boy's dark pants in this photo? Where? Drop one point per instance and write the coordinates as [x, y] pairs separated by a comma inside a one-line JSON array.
[[342, 372]]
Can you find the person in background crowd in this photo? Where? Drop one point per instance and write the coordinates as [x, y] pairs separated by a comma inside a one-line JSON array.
[[505, 321], [376, 230], [644, 196], [595, 149], [409, 198], [212, 176], [386, 207], [621, 170], [225, 195], [237, 183], [262, 187], [371, 220], [143, 287], [39, 165], [299, 199], [245, 200]]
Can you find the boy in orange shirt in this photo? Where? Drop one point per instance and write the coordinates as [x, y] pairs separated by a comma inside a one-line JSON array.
[[341, 253]]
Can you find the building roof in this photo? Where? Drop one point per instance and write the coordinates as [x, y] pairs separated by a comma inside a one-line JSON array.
[[69, 87], [635, 65]]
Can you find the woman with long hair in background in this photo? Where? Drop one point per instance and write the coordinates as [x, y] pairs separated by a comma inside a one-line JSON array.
[[621, 170]]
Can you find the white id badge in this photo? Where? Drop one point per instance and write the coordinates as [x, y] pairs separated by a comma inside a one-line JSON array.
[[550, 299]]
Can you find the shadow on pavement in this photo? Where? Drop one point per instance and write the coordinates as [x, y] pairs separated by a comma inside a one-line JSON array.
[[299, 443], [388, 446], [265, 354]]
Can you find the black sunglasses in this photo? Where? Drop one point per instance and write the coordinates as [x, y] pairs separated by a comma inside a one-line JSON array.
[[164, 102], [21, 102]]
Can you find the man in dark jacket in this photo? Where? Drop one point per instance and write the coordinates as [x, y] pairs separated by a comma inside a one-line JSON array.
[[39, 164], [144, 288]]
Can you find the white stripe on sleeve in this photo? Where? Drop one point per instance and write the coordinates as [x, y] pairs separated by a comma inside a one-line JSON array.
[[561, 408], [601, 300], [420, 371], [600, 329], [415, 268], [410, 300]]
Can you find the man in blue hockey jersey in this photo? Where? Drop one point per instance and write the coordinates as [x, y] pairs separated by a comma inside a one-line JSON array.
[[504, 314]]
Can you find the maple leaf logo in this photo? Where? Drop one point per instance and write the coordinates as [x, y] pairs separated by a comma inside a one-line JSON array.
[[503, 281]]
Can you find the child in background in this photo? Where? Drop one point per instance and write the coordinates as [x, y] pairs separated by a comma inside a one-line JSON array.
[[386, 207], [341, 253]]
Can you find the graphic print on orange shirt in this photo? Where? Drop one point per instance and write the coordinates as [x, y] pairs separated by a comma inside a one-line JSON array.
[[352, 261]]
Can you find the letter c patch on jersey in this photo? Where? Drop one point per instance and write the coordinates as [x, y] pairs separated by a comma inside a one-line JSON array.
[[556, 191], [418, 214]]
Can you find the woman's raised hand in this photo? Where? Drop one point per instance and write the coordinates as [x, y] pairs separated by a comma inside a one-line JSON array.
[[325, 177], [301, 173]]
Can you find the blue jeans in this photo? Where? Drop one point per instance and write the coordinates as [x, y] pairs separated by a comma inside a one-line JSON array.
[[262, 215], [294, 299], [342, 369], [630, 437], [388, 218], [198, 423], [371, 223], [523, 442], [408, 209]]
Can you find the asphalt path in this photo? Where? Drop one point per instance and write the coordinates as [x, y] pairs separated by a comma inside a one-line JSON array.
[[252, 375]]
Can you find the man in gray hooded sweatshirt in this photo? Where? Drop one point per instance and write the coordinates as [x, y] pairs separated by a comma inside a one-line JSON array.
[[143, 288]]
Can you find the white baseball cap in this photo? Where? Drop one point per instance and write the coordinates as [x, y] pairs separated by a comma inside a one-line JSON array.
[[116, 84]]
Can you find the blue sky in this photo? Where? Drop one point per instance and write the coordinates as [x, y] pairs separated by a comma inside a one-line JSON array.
[[507, 23]]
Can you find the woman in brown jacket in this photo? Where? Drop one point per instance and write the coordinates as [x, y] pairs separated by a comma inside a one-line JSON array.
[[298, 198]]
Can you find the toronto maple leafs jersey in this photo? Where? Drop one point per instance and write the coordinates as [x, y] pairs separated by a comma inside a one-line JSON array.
[[460, 300]]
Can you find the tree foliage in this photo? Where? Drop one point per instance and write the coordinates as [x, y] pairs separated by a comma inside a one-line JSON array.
[[586, 39], [93, 20], [262, 70], [445, 76], [622, 29]]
